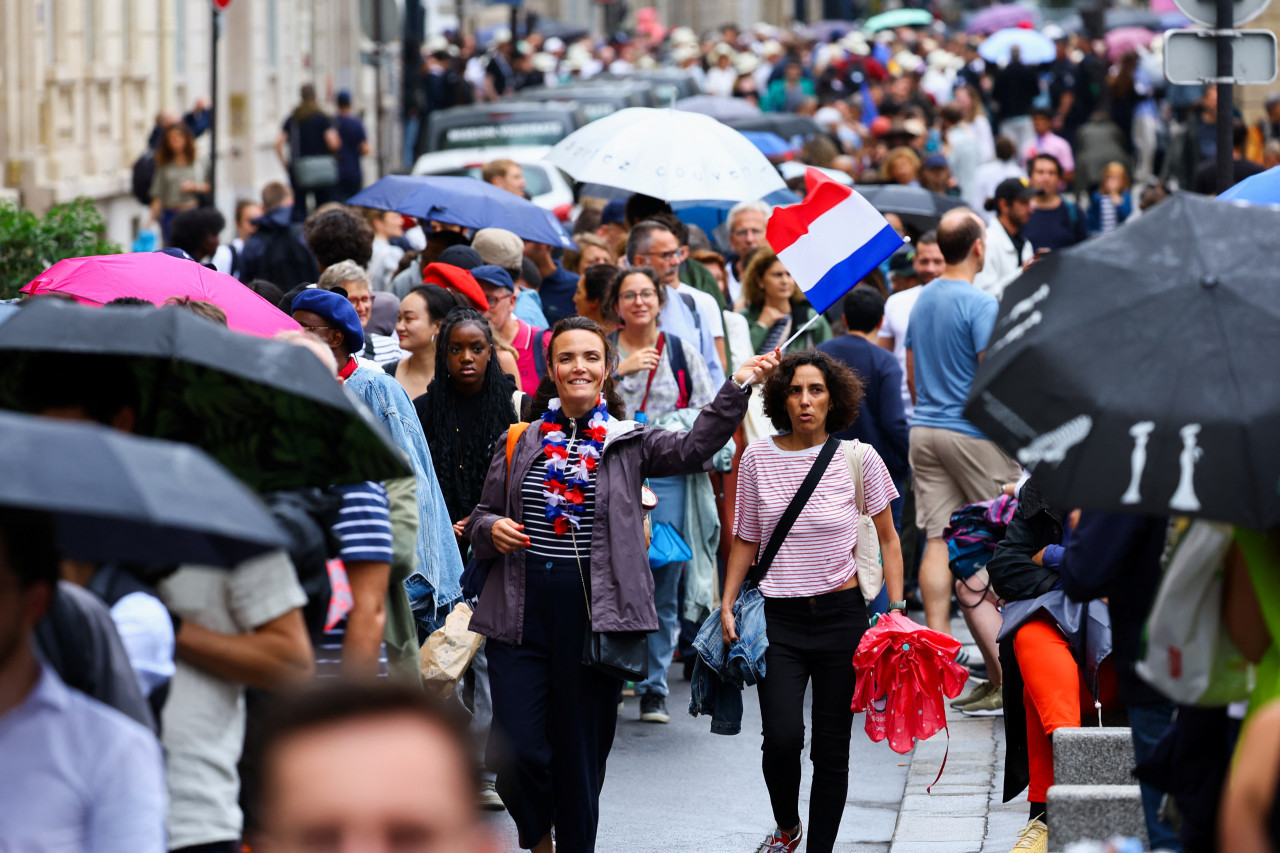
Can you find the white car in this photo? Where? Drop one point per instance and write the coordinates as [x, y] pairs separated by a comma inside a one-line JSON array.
[[546, 186]]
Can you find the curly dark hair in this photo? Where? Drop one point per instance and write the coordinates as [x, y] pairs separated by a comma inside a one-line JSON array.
[[547, 387], [338, 235], [843, 387], [461, 459]]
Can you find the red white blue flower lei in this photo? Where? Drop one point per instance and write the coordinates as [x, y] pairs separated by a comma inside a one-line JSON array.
[[564, 486]]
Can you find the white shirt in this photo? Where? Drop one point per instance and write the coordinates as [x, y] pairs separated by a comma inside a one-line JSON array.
[[147, 633], [202, 724], [382, 264], [222, 257], [676, 319], [720, 81], [78, 776], [985, 180], [735, 286], [1003, 262], [897, 314]]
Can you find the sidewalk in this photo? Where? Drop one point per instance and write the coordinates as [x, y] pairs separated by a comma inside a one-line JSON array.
[[964, 812]]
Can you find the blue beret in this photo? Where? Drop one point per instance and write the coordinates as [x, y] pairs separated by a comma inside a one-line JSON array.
[[337, 312], [494, 275]]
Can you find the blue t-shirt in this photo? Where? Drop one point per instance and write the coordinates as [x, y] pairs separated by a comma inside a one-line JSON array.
[[950, 324], [351, 132], [557, 292]]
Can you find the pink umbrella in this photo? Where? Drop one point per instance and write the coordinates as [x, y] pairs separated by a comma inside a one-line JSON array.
[[152, 276], [1124, 39]]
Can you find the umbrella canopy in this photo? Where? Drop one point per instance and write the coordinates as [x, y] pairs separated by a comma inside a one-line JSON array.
[[152, 276], [668, 154], [912, 668], [1136, 372], [1034, 48], [464, 201], [999, 17], [898, 18], [122, 498], [711, 214], [1119, 17], [1121, 41], [717, 107], [786, 125], [919, 208], [769, 144], [1261, 189], [267, 410]]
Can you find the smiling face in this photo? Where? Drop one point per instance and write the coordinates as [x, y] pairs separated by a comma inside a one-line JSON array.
[[415, 326], [778, 283], [638, 301], [361, 299], [808, 401], [577, 363], [468, 352]]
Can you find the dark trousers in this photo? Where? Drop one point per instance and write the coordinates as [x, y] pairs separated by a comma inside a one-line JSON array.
[[556, 718], [811, 639]]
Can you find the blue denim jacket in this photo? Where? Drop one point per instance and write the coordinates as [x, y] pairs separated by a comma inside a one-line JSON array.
[[721, 671], [439, 563]]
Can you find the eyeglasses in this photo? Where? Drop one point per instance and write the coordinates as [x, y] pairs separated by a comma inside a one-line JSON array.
[[668, 257], [633, 295], [318, 328], [748, 232], [360, 300]]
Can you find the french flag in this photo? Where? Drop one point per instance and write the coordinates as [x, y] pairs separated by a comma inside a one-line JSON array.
[[829, 241]]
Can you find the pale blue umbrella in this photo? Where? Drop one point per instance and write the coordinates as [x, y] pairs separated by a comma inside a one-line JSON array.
[[898, 18], [1034, 47]]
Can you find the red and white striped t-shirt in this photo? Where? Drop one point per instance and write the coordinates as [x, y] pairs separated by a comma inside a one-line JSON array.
[[817, 555]]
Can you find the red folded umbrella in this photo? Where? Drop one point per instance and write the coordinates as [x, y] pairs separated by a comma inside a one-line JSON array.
[[904, 673]]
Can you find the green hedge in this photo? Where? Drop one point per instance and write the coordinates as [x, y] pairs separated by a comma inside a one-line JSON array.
[[29, 244]]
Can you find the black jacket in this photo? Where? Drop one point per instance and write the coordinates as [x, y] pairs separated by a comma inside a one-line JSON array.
[[1035, 524]]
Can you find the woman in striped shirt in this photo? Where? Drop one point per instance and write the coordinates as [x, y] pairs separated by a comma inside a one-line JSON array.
[[814, 611]]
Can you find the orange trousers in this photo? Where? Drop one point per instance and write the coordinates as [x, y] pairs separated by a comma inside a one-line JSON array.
[[1054, 694]]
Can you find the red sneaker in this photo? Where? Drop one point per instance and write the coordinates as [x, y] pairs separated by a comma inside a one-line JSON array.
[[780, 842]]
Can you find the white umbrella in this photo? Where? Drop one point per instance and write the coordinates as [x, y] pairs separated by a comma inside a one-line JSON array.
[[668, 154]]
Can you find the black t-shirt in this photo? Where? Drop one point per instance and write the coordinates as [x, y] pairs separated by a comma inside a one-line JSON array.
[[308, 141], [1206, 178]]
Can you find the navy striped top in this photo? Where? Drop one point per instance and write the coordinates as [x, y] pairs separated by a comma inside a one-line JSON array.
[[544, 543]]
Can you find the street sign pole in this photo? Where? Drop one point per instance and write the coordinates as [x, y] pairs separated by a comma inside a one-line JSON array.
[[214, 20], [1226, 94]]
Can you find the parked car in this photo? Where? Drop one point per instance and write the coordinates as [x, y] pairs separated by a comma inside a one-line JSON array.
[[596, 99], [503, 124]]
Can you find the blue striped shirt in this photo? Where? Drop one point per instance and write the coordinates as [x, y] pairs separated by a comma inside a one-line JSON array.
[[363, 530]]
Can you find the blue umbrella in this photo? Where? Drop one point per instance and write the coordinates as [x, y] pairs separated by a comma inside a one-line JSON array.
[[1262, 188], [466, 202], [770, 144], [1035, 48], [709, 215]]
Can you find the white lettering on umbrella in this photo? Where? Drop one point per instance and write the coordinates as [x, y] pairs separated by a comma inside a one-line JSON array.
[[1184, 499], [1141, 433], [1025, 305], [1016, 332], [1052, 447]]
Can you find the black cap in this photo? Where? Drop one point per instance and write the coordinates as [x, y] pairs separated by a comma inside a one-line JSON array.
[[1011, 189], [902, 261]]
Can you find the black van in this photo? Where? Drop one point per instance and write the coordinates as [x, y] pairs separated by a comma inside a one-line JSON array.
[[503, 123]]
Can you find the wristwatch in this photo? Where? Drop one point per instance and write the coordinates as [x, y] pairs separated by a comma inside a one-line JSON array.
[[898, 605]]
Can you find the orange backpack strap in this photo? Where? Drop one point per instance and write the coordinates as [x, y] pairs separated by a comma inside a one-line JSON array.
[[513, 435]]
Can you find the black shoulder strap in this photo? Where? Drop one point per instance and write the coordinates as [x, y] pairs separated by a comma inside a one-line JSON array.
[[761, 568], [679, 365]]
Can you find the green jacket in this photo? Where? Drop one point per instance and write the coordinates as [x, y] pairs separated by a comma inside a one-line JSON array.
[[818, 333]]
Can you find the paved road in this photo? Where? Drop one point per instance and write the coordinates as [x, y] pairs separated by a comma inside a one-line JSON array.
[[679, 787]]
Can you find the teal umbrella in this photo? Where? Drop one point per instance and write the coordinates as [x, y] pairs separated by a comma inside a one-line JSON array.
[[898, 18]]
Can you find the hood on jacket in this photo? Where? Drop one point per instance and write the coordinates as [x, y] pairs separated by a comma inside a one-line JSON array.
[[277, 219]]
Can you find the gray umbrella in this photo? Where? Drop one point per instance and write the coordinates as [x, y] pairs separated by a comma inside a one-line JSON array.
[[717, 107], [117, 497]]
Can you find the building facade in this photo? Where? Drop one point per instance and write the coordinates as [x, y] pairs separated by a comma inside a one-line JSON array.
[[82, 81]]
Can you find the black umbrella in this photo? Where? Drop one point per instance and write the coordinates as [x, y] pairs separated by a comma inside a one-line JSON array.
[[1137, 371], [267, 410], [785, 125], [119, 497], [919, 208]]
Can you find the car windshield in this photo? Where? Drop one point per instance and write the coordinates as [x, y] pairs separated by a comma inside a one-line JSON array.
[[536, 182], [508, 132]]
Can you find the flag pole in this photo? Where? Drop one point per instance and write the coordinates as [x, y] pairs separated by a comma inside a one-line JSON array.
[[798, 332]]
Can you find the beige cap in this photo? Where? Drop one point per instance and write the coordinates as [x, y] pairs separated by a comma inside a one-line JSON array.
[[500, 247]]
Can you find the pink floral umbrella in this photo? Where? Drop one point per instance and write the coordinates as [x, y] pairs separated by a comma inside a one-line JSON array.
[[98, 279], [1124, 39]]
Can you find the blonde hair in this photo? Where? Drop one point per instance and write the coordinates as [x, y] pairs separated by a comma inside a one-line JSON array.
[[899, 153], [753, 278], [1113, 167], [573, 257]]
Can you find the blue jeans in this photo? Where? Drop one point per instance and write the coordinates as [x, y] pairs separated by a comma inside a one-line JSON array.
[[422, 598], [1148, 722], [666, 587]]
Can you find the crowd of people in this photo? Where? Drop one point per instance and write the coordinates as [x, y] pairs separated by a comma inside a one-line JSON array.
[[658, 480]]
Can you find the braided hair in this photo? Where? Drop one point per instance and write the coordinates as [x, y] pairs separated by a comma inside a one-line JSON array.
[[461, 458]]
